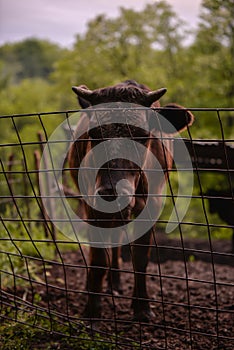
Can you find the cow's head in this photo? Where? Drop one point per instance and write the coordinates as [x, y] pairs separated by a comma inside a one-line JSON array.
[[123, 112]]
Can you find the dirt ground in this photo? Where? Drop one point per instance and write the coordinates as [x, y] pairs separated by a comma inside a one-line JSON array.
[[192, 299]]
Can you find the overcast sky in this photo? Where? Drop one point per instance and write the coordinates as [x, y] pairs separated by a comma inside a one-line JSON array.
[[61, 20]]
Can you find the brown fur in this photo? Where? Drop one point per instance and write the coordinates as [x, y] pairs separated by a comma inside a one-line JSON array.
[[100, 259]]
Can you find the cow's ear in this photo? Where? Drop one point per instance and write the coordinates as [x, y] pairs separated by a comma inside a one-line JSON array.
[[176, 118], [83, 102]]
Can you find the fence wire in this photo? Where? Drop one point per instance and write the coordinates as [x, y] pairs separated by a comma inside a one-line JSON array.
[[190, 275]]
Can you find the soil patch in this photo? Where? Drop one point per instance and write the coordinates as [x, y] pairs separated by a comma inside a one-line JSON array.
[[191, 293]]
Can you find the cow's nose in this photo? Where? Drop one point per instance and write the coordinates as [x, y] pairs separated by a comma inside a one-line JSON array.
[[113, 199], [117, 201], [108, 194]]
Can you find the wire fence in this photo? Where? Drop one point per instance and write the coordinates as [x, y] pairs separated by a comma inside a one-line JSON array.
[[190, 275]]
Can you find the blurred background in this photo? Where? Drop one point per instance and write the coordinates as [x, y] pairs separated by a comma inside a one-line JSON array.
[[46, 47], [188, 47]]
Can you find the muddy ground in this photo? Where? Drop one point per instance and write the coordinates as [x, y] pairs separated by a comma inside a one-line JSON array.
[[192, 299]]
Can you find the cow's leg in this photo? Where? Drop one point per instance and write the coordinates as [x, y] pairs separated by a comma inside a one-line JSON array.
[[114, 283], [140, 256], [96, 273]]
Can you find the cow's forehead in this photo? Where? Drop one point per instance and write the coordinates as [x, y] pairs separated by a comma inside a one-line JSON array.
[[119, 113], [117, 131], [121, 93], [128, 117]]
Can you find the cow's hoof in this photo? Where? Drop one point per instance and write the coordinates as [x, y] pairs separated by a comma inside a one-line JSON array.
[[114, 289], [144, 316], [114, 285]]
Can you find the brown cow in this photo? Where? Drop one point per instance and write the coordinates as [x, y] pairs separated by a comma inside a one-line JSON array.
[[134, 95]]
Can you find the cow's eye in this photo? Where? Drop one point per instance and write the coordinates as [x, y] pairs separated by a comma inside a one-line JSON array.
[[94, 141], [142, 140]]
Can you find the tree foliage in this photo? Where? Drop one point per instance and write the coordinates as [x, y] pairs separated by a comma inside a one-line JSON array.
[[30, 58], [149, 46], [144, 46], [214, 47]]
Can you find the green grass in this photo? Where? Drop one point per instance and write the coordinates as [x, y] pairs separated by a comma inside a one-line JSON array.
[[15, 336], [43, 332]]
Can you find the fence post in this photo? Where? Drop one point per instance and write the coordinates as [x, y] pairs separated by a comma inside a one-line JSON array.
[[49, 185], [25, 183], [43, 213], [10, 178]]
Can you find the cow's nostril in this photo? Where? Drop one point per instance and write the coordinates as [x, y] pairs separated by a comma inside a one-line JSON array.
[[107, 195]]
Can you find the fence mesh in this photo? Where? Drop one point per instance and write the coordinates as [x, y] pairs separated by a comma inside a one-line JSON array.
[[190, 275]]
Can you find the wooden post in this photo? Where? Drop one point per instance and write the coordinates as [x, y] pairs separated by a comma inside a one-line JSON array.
[[27, 201], [10, 178], [43, 214], [49, 184]]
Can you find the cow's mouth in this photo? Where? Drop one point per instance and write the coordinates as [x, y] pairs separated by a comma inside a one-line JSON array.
[[110, 220]]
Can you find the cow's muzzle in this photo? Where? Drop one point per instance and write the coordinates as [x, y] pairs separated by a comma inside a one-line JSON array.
[[115, 198]]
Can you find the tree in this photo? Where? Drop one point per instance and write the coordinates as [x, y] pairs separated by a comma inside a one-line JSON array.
[[30, 96], [143, 45], [31, 58], [215, 45]]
